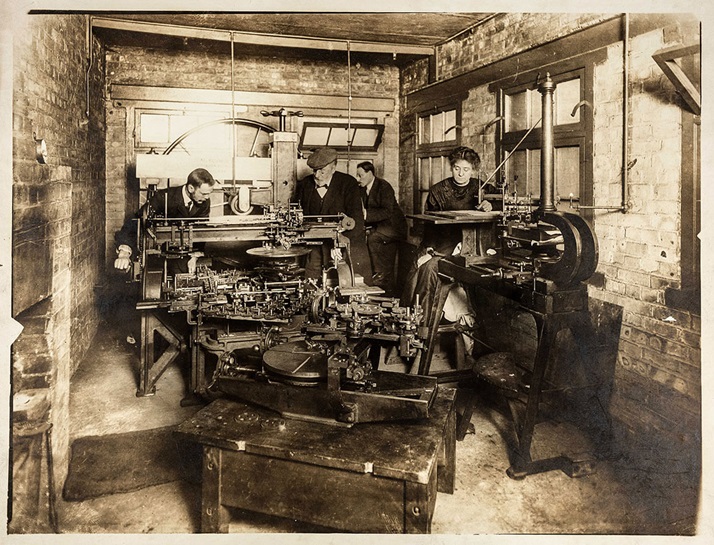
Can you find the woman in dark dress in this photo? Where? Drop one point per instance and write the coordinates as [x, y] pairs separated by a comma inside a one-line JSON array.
[[458, 192]]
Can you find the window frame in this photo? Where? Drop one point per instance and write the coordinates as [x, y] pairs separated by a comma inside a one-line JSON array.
[[433, 150], [579, 133], [342, 125], [139, 144]]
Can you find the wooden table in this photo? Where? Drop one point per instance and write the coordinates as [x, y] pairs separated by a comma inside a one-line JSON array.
[[370, 478], [478, 229]]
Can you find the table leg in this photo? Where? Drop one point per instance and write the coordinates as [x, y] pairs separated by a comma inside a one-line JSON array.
[[214, 516], [419, 500]]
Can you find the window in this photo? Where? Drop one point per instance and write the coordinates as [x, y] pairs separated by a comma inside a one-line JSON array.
[[439, 127], [158, 129], [438, 133], [521, 106], [362, 136]]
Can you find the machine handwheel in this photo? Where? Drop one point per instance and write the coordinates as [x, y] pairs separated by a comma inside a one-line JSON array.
[[589, 247], [567, 268]]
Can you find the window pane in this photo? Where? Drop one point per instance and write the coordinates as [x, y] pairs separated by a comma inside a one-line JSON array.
[[213, 138], [516, 173], [423, 196], [536, 101], [365, 136], [154, 128], [567, 95], [425, 130], [315, 136], [180, 124], [534, 172], [567, 172], [338, 137], [439, 127], [449, 122], [437, 170], [424, 172], [516, 112], [246, 143]]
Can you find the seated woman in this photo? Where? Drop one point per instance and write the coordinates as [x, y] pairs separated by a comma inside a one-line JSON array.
[[458, 192]]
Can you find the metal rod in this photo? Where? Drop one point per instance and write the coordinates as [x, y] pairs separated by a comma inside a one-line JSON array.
[[349, 102], [511, 153], [233, 113], [625, 111], [91, 61], [619, 208]]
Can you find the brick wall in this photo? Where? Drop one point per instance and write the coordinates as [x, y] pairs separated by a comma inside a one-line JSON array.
[[656, 398], [58, 208], [658, 372], [276, 74], [506, 35]]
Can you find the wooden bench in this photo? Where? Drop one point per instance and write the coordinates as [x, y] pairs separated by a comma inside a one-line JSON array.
[[369, 478]]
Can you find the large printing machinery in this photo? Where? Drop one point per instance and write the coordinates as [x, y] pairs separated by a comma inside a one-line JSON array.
[[258, 329], [310, 348]]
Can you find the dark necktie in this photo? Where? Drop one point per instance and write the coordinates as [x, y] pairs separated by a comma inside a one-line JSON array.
[[365, 196]]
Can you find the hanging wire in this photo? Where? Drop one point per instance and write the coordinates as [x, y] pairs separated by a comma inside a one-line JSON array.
[[349, 104], [515, 148], [233, 114]]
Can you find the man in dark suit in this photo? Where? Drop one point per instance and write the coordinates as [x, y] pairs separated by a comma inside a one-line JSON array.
[[186, 201], [327, 192], [385, 224]]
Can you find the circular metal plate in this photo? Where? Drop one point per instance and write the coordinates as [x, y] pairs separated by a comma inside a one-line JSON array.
[[367, 310], [278, 253], [295, 361]]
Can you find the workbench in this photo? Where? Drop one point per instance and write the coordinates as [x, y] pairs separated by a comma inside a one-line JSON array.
[[368, 478]]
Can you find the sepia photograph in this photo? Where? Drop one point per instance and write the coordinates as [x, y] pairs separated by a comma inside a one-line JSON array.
[[334, 273]]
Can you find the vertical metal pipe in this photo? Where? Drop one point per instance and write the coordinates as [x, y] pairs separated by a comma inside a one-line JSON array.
[[547, 180], [90, 53], [625, 109]]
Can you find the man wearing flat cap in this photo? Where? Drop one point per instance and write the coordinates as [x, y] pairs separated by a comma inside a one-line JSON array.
[[327, 192]]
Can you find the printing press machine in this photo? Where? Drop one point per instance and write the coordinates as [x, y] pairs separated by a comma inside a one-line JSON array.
[[258, 329]]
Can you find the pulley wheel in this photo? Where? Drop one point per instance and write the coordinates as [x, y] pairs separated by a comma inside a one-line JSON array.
[[566, 269], [589, 247]]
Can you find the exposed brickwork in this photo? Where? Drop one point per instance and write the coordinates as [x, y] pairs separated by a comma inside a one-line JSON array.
[[189, 69], [657, 376], [657, 382], [506, 35], [58, 208]]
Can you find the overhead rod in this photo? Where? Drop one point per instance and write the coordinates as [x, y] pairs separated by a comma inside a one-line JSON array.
[[274, 40]]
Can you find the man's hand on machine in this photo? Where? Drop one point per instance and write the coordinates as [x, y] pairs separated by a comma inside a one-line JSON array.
[[336, 254], [123, 260], [193, 261]]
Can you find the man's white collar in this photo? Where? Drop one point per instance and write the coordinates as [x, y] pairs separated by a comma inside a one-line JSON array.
[[186, 197]]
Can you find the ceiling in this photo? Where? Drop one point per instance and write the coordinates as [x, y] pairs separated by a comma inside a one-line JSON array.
[[374, 35]]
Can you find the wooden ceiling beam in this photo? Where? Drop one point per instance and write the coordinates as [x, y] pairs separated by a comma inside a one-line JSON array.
[[272, 40]]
